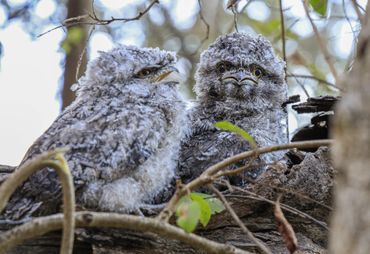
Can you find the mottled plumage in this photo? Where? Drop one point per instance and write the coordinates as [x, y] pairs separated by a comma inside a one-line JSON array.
[[123, 131], [239, 79]]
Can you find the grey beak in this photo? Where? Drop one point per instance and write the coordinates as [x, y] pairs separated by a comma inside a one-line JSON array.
[[240, 78]]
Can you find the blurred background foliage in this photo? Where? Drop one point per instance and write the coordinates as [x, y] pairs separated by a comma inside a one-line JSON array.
[[181, 26]]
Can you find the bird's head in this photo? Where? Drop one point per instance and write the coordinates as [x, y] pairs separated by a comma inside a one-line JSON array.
[[125, 64], [239, 66]]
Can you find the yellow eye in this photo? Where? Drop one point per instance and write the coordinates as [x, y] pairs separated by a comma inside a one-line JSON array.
[[257, 72]]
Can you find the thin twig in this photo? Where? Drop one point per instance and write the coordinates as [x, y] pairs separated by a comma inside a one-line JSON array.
[[208, 176], [285, 61], [242, 169], [83, 52], [201, 16], [293, 75], [94, 20], [357, 10], [47, 224], [236, 218], [301, 85], [322, 46], [235, 12], [56, 161], [283, 37], [293, 210]]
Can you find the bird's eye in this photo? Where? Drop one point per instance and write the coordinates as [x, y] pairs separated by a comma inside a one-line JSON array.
[[257, 72], [223, 66], [145, 72]]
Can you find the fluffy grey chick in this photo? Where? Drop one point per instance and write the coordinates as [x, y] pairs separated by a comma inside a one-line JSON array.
[[123, 131], [239, 79]]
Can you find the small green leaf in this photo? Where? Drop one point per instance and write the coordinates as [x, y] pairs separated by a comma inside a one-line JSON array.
[[205, 209], [319, 6], [188, 215], [227, 126], [73, 38], [75, 35], [215, 204]]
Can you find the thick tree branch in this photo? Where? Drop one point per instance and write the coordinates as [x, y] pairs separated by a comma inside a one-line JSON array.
[[44, 225], [56, 161]]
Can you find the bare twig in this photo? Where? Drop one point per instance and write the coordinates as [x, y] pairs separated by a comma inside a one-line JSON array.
[[315, 78], [208, 176], [84, 51], [228, 207], [288, 208], [322, 46], [92, 19], [46, 224], [56, 161], [235, 12], [201, 16], [357, 10], [241, 169], [301, 85], [283, 37], [284, 58], [204, 21]]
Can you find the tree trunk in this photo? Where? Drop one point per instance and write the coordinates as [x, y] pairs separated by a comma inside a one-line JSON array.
[[75, 8], [351, 155]]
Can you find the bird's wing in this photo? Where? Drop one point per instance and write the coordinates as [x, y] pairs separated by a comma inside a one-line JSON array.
[[205, 147], [103, 145]]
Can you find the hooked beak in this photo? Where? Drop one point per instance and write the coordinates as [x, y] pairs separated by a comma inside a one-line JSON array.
[[240, 78], [166, 75]]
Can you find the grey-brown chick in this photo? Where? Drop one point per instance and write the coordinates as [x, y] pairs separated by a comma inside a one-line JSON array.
[[239, 79], [123, 131]]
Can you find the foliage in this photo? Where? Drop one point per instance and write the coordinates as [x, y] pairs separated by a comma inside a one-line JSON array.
[[195, 208], [227, 126], [319, 6], [73, 38]]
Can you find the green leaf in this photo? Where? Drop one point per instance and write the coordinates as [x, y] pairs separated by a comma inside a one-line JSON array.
[[215, 204], [205, 209], [319, 6], [188, 215], [73, 38], [227, 126], [75, 35]]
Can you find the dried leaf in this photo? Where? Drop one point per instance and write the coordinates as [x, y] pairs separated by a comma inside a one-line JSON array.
[[285, 229], [231, 3]]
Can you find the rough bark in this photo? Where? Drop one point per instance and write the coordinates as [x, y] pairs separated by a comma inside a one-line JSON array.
[[75, 8], [351, 153], [311, 179]]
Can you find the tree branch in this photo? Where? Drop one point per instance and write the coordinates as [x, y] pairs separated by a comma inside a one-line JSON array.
[[92, 19], [46, 224], [322, 46], [56, 161], [246, 231], [208, 176]]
